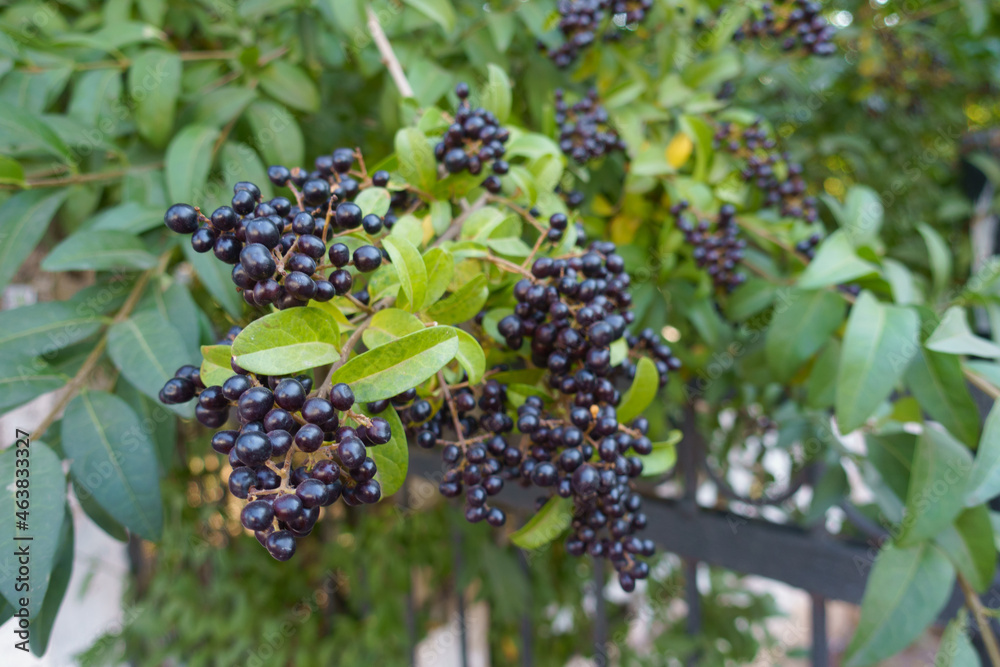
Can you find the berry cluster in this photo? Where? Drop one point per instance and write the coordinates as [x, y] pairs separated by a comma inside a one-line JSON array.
[[580, 22], [807, 246], [473, 141], [293, 451], [718, 250], [663, 356], [278, 248], [762, 166], [584, 130], [797, 25]]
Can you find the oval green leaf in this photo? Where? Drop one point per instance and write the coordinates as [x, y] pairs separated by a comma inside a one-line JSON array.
[[113, 459], [45, 518], [399, 364], [409, 266], [288, 341], [641, 393], [878, 344], [96, 250], [905, 592], [462, 305], [547, 525]]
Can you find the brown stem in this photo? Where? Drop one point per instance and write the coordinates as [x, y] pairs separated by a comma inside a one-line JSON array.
[[81, 178], [509, 266], [388, 55], [451, 406], [455, 228], [975, 605], [523, 212], [344, 354], [82, 375]]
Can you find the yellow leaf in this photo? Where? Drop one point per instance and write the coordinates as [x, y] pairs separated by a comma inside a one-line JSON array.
[[623, 228], [679, 150]]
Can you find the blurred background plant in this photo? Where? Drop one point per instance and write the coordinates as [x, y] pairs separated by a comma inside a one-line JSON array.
[[111, 111]]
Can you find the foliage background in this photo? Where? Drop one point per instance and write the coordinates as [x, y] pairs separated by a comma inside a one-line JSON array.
[[111, 111]]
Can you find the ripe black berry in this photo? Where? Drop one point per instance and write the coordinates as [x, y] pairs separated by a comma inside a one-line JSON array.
[[372, 224], [341, 396], [257, 261], [349, 215], [280, 544], [367, 258], [181, 218], [257, 515]]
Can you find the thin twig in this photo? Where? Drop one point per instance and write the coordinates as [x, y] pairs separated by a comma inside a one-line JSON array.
[[455, 228], [454, 411], [83, 374], [344, 354], [81, 178], [975, 605], [388, 55]]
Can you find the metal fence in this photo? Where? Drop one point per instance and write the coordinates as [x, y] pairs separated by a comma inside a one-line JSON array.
[[808, 558]]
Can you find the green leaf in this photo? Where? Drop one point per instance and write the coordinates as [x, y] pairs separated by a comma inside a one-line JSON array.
[[409, 267], [984, 479], [154, 82], [940, 256], [968, 543], [802, 323], [23, 124], [389, 324], [701, 134], [937, 382], [663, 457], [46, 513], [100, 516], [399, 364], [878, 344], [393, 458], [905, 592], [439, 264], [90, 250], [23, 379], [290, 85], [215, 365], [224, 104], [11, 171], [130, 217], [188, 161], [641, 393], [216, 278], [827, 492], [439, 11], [861, 216], [462, 305], [900, 279], [712, 71], [24, 219], [374, 200], [470, 356], [113, 459], [288, 341], [416, 158], [42, 328], [937, 488], [956, 649], [496, 96], [953, 336], [148, 350], [835, 262], [62, 569], [821, 389], [547, 525], [280, 137]]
